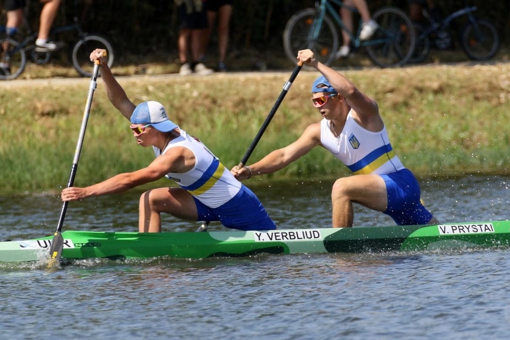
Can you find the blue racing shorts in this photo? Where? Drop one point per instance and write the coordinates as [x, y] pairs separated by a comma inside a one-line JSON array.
[[244, 212], [404, 204]]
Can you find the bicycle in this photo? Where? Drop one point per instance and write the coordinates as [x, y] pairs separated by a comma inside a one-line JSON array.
[[391, 45], [13, 53], [479, 37]]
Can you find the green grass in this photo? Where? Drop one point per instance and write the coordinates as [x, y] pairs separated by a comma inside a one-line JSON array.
[[441, 120]]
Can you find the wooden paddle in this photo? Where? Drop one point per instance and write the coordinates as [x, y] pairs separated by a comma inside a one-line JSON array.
[[286, 88], [57, 244]]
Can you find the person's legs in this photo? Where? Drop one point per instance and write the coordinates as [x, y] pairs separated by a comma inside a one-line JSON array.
[[346, 15], [183, 41], [14, 20], [197, 51], [415, 11], [175, 201], [416, 8], [244, 212], [369, 25], [199, 29], [405, 206], [362, 7], [224, 15], [48, 14], [211, 19], [367, 190], [182, 44], [196, 44]]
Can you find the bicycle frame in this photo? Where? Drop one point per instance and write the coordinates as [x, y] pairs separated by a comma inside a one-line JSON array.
[[325, 6], [445, 23], [76, 26], [80, 44], [27, 43]]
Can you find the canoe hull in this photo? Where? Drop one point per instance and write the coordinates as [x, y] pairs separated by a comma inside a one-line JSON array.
[[121, 245]]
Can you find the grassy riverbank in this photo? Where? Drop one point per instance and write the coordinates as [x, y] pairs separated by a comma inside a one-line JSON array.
[[443, 120]]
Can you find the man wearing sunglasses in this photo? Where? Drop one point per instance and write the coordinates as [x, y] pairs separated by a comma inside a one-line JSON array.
[[207, 190], [353, 131]]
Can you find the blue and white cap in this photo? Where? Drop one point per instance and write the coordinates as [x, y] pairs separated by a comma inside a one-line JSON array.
[[321, 84], [152, 113]]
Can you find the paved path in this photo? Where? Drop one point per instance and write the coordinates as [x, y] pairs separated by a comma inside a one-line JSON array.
[[254, 74], [77, 81]]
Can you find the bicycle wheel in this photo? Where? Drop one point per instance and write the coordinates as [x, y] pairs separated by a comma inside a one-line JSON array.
[[301, 32], [81, 53], [40, 58], [13, 59], [422, 46], [393, 42], [480, 40]]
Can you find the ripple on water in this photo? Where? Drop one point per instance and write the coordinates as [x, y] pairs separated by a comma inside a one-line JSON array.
[[443, 295]]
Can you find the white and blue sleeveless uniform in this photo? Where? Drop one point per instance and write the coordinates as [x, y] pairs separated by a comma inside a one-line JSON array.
[[218, 195], [367, 152]]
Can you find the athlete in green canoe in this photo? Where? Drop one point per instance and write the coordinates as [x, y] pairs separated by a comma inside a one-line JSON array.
[[207, 190], [353, 131]]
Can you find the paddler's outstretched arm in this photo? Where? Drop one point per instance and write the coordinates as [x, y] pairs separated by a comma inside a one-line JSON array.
[[280, 158], [125, 181]]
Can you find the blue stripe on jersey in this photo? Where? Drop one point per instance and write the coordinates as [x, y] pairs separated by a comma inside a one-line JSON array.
[[371, 157], [205, 176]]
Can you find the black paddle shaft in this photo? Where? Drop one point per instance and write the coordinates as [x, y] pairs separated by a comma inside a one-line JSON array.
[[57, 244], [286, 88], [79, 145]]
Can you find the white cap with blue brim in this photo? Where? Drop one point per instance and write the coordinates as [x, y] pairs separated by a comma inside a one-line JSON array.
[[153, 113]]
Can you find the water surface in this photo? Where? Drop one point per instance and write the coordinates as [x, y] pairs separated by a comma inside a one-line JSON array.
[[448, 295]]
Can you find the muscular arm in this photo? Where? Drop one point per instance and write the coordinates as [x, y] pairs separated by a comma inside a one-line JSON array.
[[366, 110], [176, 162], [280, 158], [114, 91], [357, 100]]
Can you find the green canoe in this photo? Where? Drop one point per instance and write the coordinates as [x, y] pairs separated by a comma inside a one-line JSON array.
[[120, 245]]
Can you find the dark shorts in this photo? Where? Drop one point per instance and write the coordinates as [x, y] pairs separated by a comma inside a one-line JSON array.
[[12, 5], [244, 212], [404, 204], [214, 5], [193, 20]]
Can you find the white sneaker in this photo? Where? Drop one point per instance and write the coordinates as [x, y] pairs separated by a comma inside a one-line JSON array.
[[368, 30], [202, 70], [185, 70], [47, 45], [343, 52]]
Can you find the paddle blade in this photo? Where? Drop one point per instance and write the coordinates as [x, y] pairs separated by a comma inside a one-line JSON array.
[[57, 244]]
